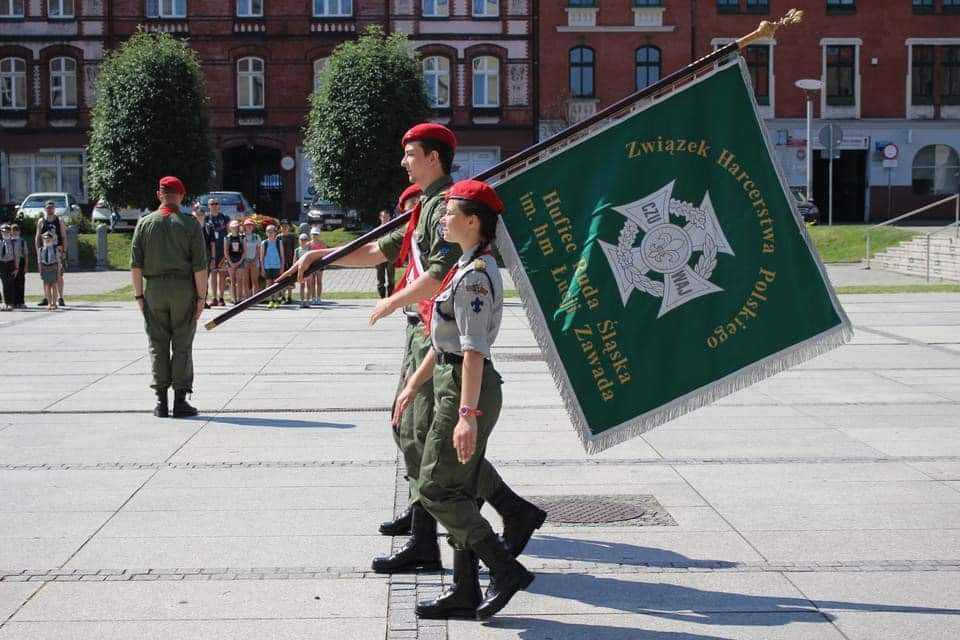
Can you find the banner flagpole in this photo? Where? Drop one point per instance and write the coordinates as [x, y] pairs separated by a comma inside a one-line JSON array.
[[766, 30]]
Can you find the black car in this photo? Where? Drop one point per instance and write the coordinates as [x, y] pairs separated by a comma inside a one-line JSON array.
[[327, 215]]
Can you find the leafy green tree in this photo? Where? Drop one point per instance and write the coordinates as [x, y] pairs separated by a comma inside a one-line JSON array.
[[150, 120], [370, 93]]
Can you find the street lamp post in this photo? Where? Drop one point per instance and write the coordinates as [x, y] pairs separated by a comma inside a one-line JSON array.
[[810, 87]]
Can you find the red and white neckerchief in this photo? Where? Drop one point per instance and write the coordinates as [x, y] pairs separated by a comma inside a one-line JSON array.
[[165, 211], [410, 253], [444, 285]]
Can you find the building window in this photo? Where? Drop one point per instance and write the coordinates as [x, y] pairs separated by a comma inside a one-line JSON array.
[[951, 6], [758, 6], [758, 64], [436, 8], [332, 8], [728, 6], [63, 83], [582, 3], [648, 3], [921, 75], [486, 82], [250, 83], [318, 66], [11, 9], [923, 6], [60, 9], [436, 77], [951, 76], [841, 70], [166, 8], [647, 64], [581, 72], [13, 83], [62, 171], [486, 8], [841, 5], [249, 8], [936, 171]]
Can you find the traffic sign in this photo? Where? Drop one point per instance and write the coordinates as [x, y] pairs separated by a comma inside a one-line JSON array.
[[830, 137]]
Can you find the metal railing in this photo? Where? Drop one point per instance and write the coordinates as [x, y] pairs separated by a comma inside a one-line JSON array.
[[954, 225]]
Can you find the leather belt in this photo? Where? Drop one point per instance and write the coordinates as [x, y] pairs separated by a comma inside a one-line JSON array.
[[413, 320], [448, 358]]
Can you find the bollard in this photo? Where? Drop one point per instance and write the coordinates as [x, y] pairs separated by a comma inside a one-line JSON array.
[[73, 246], [102, 263]]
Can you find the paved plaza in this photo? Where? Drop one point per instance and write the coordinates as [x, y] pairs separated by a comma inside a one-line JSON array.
[[821, 504]]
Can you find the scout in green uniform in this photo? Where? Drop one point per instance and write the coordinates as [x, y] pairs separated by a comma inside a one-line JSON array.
[[428, 157], [168, 266], [465, 320]]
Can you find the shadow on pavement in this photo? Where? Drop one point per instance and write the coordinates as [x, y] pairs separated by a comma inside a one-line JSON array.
[[279, 423], [540, 629], [559, 548]]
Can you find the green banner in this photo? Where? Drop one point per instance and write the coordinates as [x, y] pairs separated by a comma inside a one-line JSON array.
[[662, 262]]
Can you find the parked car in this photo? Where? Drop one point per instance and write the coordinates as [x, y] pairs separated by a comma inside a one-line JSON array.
[[232, 203], [67, 206], [327, 215], [129, 216], [807, 210]]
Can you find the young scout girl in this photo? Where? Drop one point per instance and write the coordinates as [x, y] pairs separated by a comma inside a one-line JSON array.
[[271, 260], [233, 249], [251, 257], [465, 320], [49, 263]]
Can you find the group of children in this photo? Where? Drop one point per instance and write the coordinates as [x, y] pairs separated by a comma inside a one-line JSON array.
[[247, 258], [14, 255]]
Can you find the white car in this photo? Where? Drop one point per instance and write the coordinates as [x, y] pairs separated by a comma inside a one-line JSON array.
[[66, 206], [232, 203], [128, 215]]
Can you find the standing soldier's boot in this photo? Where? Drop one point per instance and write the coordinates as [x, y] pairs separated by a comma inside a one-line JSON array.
[[181, 408], [462, 598], [398, 527], [421, 551], [507, 576], [520, 518], [161, 410]]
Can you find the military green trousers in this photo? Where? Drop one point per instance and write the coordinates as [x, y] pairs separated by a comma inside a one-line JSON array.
[[415, 423], [448, 489], [168, 316]]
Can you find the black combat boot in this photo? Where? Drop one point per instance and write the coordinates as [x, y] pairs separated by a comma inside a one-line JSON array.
[[461, 599], [507, 576], [398, 527], [421, 551], [181, 408], [162, 410], [520, 518]]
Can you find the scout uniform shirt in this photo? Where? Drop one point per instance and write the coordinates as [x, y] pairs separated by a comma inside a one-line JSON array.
[[436, 255], [467, 314], [176, 246]]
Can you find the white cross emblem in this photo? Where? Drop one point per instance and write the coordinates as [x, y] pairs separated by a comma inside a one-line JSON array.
[[666, 249]]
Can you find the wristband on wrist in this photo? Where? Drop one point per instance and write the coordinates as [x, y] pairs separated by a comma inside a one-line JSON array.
[[140, 297], [466, 410]]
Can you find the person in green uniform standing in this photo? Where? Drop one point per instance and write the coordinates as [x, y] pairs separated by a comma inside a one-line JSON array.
[[464, 322], [428, 151], [168, 266]]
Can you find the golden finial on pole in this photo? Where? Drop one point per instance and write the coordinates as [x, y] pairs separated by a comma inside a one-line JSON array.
[[768, 29]]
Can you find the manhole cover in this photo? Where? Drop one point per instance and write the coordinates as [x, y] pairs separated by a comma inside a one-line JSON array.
[[637, 511]]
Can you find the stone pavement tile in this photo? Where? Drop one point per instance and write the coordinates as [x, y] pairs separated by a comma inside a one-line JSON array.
[[12, 595], [695, 422], [38, 553], [252, 477], [942, 334], [621, 477], [859, 625], [110, 433], [637, 545], [939, 469], [244, 523], [910, 440], [133, 392], [891, 421], [255, 498], [800, 625], [263, 551], [831, 517], [51, 524], [756, 443], [799, 472], [385, 452], [220, 600], [289, 629], [63, 498], [886, 356], [826, 493], [514, 445], [879, 591], [872, 545], [911, 410]]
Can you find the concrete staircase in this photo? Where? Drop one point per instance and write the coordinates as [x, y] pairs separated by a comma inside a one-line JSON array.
[[910, 257]]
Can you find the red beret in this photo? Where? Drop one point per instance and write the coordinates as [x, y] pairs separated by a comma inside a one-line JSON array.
[[430, 131], [171, 183], [413, 191], [478, 192]]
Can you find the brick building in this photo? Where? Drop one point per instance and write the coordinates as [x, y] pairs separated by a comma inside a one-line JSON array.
[[50, 51], [891, 73]]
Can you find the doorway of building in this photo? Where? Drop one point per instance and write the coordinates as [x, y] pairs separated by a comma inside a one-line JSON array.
[[255, 171], [849, 185]]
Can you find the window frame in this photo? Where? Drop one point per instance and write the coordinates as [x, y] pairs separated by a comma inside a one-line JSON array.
[[63, 74], [728, 6], [434, 14], [250, 13], [934, 168], [434, 76], [646, 64], [13, 75], [950, 75], [758, 6], [579, 67], [929, 67], [951, 6], [166, 9], [837, 100], [250, 77], [488, 75], [923, 7], [319, 64], [642, 4], [326, 4], [61, 16], [841, 6], [485, 4], [9, 7], [29, 163], [758, 71]]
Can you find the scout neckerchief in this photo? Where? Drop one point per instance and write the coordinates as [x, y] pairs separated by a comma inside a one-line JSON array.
[[444, 285], [165, 211], [410, 252]]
